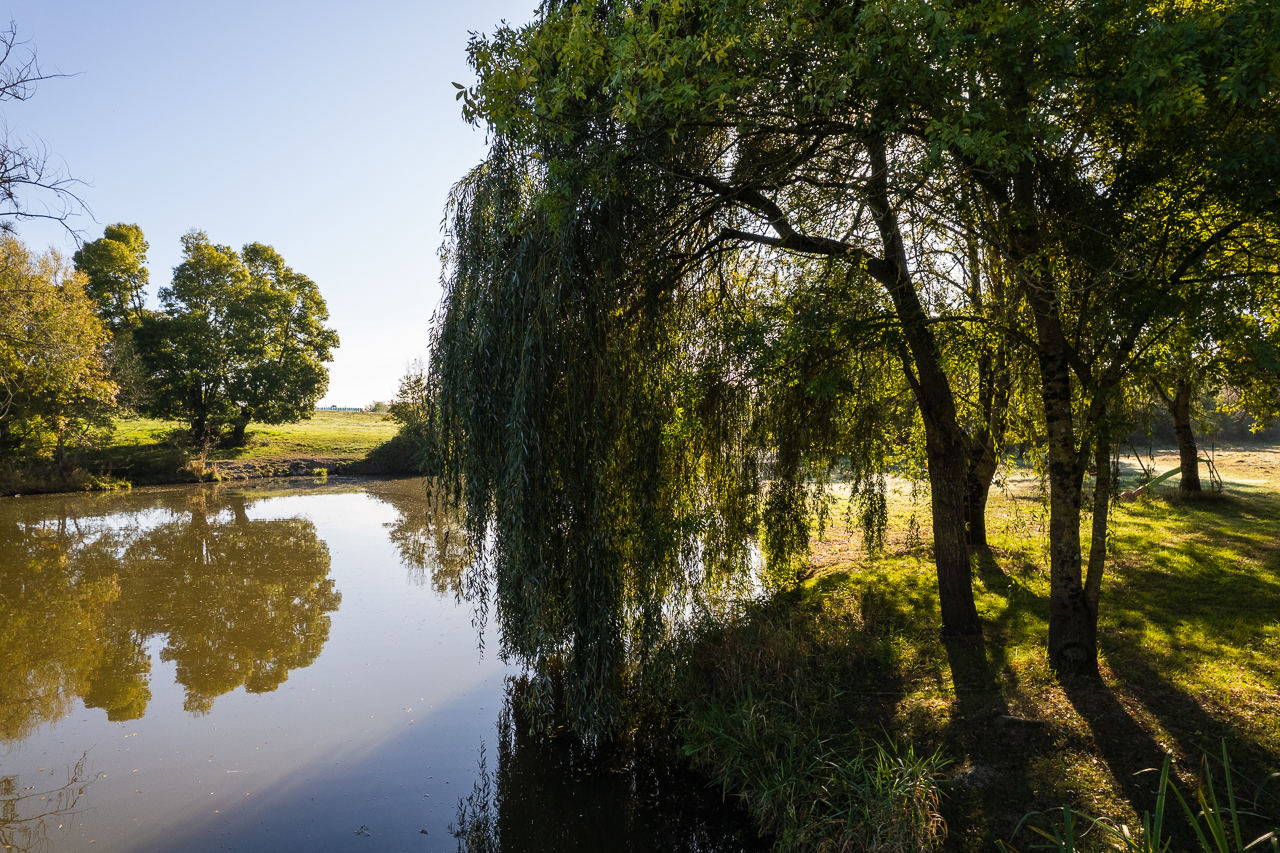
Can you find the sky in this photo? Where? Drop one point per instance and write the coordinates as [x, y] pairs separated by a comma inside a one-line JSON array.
[[327, 130]]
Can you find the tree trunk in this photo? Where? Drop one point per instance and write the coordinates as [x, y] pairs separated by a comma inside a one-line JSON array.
[[64, 465], [1072, 624], [1101, 507], [947, 464], [1188, 453], [199, 416], [981, 471], [946, 444], [242, 423], [993, 401], [1073, 627]]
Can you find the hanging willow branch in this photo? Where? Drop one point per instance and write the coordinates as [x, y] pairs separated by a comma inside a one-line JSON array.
[[620, 399]]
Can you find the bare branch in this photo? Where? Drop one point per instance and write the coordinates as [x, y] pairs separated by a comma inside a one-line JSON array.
[[30, 187]]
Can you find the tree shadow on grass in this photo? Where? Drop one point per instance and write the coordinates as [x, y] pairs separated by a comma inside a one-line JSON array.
[[1024, 753], [1127, 748], [984, 560], [1196, 733], [1000, 746], [992, 781], [1186, 604]]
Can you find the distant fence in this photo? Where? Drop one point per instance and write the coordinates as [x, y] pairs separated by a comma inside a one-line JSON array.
[[338, 409]]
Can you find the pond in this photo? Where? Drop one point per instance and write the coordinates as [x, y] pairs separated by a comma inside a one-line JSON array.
[[284, 666]]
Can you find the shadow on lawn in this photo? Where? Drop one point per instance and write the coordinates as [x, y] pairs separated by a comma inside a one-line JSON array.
[[1209, 588], [1201, 577], [1190, 589], [1211, 592]]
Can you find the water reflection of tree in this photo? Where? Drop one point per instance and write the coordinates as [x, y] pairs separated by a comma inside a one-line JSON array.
[[57, 582], [562, 794], [427, 534], [27, 811], [239, 602], [119, 683]]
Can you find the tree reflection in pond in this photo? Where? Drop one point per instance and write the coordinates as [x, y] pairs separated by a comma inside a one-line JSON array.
[[27, 812], [559, 793], [240, 602], [427, 534], [58, 579], [119, 683]]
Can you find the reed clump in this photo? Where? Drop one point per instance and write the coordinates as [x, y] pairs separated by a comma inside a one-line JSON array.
[[770, 702]]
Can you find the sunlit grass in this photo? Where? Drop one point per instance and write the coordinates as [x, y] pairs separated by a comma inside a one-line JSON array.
[[1189, 639], [146, 450], [324, 434]]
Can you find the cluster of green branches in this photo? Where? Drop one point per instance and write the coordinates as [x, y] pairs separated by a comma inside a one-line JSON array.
[[56, 391], [620, 407], [718, 248]]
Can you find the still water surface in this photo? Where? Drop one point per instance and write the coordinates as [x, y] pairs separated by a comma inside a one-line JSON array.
[[281, 666]]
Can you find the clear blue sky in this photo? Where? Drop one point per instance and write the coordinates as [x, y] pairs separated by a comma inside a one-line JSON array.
[[328, 130]]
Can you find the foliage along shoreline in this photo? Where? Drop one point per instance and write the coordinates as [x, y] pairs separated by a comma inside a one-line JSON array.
[[214, 472], [239, 338], [839, 718], [175, 464]]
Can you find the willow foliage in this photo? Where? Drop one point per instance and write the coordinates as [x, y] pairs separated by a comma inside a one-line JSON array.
[[619, 402], [555, 368]]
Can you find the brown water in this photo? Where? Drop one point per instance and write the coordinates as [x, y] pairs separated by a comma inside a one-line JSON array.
[[283, 666]]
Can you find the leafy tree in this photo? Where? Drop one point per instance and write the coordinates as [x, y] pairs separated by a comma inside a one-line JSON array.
[[240, 337], [116, 266], [411, 406], [643, 157], [1229, 340], [662, 171], [55, 388], [1251, 357], [1115, 177], [658, 181]]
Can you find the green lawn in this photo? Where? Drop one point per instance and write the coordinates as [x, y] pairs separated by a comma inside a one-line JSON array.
[[1189, 638], [144, 450]]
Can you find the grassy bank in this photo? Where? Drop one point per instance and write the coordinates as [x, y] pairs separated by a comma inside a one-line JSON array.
[[143, 451], [780, 700]]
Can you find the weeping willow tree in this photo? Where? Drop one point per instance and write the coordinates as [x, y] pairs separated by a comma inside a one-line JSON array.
[[691, 274], [695, 268], [622, 401]]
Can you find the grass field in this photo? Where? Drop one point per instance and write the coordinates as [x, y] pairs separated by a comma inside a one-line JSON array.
[[1189, 637], [143, 450], [339, 434]]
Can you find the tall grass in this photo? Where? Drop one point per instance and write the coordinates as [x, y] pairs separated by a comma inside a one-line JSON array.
[[1215, 825], [766, 698]]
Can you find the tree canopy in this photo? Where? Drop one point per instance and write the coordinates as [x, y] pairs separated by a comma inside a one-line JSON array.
[[55, 384], [240, 337], [116, 266], [716, 246]]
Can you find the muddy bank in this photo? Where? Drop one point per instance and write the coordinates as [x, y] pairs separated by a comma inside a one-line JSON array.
[[290, 466]]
